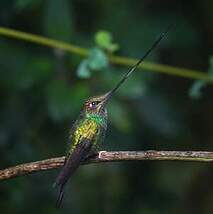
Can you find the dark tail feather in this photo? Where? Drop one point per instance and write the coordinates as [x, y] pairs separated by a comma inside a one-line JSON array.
[[71, 164], [60, 197]]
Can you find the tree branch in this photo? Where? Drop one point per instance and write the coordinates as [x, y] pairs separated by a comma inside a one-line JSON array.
[[52, 163]]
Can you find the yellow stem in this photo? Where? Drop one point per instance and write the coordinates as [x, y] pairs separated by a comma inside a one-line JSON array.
[[166, 69], [182, 72]]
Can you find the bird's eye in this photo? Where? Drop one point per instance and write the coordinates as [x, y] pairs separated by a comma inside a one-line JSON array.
[[93, 104]]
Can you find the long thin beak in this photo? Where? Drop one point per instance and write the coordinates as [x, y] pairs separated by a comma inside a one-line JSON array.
[[108, 95], [132, 69], [106, 98]]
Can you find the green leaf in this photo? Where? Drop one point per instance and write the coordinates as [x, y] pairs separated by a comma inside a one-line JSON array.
[[97, 59], [104, 40], [83, 70], [195, 90]]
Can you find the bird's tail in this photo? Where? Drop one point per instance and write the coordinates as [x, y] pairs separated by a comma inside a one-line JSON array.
[[60, 184], [71, 164], [60, 196]]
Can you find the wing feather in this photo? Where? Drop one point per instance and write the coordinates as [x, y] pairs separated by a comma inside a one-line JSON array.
[[71, 164]]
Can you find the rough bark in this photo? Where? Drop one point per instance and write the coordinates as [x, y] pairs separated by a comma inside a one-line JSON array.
[[52, 163]]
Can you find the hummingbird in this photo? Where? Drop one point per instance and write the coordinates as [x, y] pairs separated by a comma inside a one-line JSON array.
[[90, 127]]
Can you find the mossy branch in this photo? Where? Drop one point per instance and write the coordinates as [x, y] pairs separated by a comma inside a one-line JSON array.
[[170, 70], [117, 156]]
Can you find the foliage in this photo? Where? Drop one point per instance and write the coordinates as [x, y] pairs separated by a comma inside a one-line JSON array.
[[97, 59], [104, 40], [195, 90], [42, 91]]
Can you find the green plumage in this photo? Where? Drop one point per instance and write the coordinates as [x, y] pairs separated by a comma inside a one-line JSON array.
[[88, 130], [90, 126]]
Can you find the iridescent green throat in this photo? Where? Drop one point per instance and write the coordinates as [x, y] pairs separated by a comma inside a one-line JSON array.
[[97, 118]]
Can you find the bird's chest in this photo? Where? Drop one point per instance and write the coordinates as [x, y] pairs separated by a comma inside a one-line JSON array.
[[91, 129], [87, 129]]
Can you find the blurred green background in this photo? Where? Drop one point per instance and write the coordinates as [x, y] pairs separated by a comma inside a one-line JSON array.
[[42, 91]]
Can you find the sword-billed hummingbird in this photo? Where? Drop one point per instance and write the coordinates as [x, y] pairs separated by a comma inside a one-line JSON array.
[[90, 128]]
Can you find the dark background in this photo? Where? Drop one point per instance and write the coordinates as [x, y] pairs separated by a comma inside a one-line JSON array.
[[41, 95]]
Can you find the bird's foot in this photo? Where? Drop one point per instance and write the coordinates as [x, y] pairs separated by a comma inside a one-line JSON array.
[[100, 153]]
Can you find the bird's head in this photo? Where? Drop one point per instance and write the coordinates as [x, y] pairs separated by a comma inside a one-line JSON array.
[[97, 104]]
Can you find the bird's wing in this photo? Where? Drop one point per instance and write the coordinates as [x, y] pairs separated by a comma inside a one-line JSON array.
[[71, 164]]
